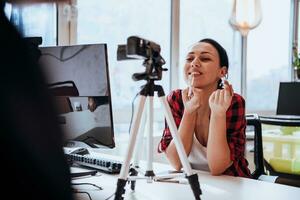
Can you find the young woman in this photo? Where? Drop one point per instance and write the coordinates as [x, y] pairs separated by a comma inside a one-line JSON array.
[[210, 118]]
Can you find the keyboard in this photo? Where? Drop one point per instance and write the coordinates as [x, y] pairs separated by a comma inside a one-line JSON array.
[[95, 162]]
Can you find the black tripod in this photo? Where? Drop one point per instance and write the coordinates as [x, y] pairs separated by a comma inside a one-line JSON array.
[[147, 92]]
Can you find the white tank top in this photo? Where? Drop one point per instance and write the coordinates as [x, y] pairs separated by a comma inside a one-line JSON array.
[[197, 156]]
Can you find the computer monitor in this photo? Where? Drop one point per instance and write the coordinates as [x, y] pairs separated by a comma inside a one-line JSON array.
[[288, 99], [78, 78]]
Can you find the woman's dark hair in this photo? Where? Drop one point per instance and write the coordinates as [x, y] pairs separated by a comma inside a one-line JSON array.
[[222, 55]]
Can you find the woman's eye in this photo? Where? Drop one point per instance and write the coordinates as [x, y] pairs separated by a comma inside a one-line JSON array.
[[189, 59], [205, 59]]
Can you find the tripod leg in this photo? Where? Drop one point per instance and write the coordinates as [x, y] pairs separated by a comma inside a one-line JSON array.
[[174, 132], [140, 141], [192, 178], [137, 152], [133, 134], [149, 170], [133, 172]]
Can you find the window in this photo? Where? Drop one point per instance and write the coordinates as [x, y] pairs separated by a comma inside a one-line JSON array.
[[111, 22], [268, 56], [42, 24], [209, 19]]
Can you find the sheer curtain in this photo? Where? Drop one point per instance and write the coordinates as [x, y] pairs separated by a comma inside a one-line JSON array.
[[35, 20]]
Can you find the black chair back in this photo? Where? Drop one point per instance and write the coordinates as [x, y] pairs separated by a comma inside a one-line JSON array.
[[253, 120]]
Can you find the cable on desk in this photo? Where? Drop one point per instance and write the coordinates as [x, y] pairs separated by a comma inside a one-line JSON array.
[[84, 192], [100, 188], [84, 177]]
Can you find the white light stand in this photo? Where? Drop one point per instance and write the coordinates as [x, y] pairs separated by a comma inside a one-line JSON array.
[[147, 93]]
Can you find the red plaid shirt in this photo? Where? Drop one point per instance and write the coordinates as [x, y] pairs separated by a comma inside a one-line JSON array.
[[235, 123]]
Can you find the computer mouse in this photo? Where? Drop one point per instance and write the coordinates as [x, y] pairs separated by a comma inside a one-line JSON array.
[[79, 150]]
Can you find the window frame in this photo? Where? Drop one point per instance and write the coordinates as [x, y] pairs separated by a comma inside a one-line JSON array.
[[67, 23], [67, 35]]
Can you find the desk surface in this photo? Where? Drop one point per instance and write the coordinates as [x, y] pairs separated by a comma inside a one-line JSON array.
[[213, 187]]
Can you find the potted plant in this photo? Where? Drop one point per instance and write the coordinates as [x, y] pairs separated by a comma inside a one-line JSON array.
[[296, 63]]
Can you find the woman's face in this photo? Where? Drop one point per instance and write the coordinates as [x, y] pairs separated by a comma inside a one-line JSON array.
[[91, 104], [203, 64]]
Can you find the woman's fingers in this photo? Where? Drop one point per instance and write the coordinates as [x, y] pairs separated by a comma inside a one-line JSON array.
[[190, 92], [192, 103], [221, 96], [217, 96], [231, 90], [227, 91], [228, 88], [212, 97], [184, 94], [226, 82]]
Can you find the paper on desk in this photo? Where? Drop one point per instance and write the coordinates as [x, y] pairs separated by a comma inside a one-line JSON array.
[[266, 178]]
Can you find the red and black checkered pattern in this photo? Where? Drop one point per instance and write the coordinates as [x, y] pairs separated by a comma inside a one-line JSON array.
[[236, 125]]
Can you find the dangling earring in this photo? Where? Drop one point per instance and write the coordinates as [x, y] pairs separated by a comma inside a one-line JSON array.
[[226, 76]]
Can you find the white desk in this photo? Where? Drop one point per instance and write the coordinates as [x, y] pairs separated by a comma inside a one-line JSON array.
[[213, 187]]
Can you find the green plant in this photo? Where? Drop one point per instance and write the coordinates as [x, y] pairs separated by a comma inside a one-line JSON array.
[[296, 61]]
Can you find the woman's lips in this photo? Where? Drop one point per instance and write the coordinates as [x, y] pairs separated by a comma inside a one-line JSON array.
[[195, 73], [192, 76]]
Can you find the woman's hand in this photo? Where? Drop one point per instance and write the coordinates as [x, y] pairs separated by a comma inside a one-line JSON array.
[[192, 102], [220, 100]]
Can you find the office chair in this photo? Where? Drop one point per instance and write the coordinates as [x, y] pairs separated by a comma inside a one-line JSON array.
[[253, 120], [261, 165], [280, 122], [287, 115]]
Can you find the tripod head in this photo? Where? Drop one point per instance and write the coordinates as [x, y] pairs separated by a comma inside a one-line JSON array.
[[139, 48]]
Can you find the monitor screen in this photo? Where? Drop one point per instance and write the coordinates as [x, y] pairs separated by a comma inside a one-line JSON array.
[[78, 78], [288, 98]]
